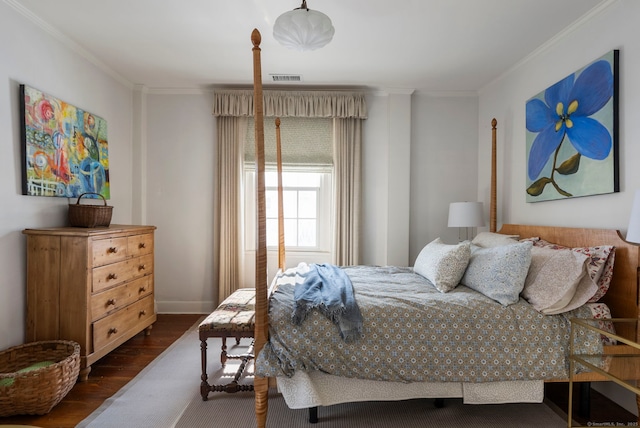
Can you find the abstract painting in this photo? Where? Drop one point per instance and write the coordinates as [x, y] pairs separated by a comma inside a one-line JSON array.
[[64, 149], [572, 134]]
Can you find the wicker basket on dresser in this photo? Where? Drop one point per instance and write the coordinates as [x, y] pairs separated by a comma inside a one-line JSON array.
[[90, 285]]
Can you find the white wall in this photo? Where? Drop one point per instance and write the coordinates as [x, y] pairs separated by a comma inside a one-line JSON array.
[[181, 162], [615, 27], [386, 174], [444, 155], [30, 56], [375, 150]]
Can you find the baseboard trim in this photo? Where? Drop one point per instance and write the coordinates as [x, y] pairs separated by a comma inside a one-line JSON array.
[[173, 307]]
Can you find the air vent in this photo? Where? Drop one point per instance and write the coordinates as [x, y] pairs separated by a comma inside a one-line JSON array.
[[285, 78]]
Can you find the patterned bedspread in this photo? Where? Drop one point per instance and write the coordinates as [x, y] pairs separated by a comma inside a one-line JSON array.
[[414, 333]]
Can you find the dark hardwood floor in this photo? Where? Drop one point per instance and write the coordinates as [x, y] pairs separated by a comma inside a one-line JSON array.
[[113, 371], [602, 410]]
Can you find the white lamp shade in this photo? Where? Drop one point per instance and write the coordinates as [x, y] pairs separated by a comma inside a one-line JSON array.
[[303, 29], [633, 231], [466, 214]]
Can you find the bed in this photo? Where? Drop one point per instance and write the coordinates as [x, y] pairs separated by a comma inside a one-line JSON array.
[[360, 382]]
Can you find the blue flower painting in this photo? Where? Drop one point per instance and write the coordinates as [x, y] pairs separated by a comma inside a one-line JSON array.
[[572, 134]]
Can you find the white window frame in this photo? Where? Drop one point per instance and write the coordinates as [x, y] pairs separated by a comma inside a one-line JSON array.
[[324, 226], [316, 192]]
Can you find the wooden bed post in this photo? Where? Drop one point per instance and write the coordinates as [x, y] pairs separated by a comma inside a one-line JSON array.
[[494, 201], [281, 253], [261, 384]]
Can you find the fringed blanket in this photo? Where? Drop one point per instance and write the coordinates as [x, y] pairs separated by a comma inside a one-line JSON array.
[[327, 288]]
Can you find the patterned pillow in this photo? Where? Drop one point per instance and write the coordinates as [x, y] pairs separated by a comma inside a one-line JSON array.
[[601, 311], [499, 272], [443, 264], [599, 267], [557, 280], [492, 239]]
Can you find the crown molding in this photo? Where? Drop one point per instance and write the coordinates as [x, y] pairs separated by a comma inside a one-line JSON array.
[[448, 94], [66, 41], [179, 91], [597, 10]]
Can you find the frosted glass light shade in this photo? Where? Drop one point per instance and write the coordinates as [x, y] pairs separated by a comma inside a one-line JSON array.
[[633, 231], [303, 29], [466, 214]]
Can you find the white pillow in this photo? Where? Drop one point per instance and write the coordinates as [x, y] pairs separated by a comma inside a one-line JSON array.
[[492, 239], [443, 264], [499, 272], [553, 278]]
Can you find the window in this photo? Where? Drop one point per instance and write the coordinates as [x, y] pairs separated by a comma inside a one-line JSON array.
[[307, 209], [307, 162], [300, 208]]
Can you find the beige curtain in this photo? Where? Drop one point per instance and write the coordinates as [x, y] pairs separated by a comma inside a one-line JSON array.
[[232, 107], [231, 137], [347, 144]]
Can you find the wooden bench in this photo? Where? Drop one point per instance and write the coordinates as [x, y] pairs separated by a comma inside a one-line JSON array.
[[234, 317]]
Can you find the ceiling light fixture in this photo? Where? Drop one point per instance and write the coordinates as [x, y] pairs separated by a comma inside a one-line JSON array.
[[303, 29]]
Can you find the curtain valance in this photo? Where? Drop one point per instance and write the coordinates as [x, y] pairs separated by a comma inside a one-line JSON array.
[[291, 104]]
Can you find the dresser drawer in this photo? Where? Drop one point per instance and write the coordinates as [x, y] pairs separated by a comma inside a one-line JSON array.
[[141, 266], [108, 301], [139, 245], [111, 275], [117, 273], [118, 324], [106, 251]]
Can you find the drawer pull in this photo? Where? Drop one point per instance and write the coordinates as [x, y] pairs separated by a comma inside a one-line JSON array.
[[142, 289], [142, 245], [112, 276], [142, 267], [143, 312], [112, 330], [111, 302], [113, 250]]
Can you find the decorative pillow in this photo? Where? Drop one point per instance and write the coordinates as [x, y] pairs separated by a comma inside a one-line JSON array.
[[443, 264], [605, 278], [499, 272], [492, 239], [554, 278], [599, 267], [601, 311]]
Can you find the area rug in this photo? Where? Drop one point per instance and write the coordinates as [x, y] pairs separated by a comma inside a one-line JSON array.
[[158, 395], [167, 394]]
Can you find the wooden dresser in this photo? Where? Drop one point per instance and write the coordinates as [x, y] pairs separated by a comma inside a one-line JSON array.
[[90, 285]]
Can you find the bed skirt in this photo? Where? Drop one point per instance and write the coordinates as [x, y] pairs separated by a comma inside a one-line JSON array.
[[311, 389]]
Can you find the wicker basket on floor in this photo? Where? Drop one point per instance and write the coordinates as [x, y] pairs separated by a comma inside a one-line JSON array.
[[35, 391]]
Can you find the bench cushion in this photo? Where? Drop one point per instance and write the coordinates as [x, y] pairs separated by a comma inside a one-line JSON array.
[[235, 314]]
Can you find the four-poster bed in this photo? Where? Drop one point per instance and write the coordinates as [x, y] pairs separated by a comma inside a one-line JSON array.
[[622, 297]]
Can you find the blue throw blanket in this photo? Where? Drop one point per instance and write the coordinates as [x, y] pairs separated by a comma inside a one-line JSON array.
[[328, 288]]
